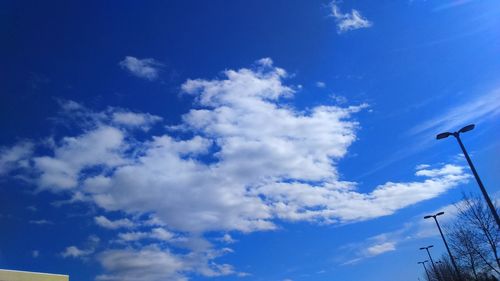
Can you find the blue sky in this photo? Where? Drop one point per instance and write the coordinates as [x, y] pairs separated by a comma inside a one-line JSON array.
[[237, 140]]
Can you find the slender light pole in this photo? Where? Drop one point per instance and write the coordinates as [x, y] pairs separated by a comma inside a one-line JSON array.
[[425, 268], [479, 182], [444, 240], [430, 258]]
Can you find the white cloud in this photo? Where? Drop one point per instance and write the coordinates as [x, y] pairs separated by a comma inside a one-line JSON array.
[[227, 238], [153, 263], [40, 222], [268, 162], [147, 264], [320, 84], [371, 247], [15, 157], [478, 109], [143, 68], [414, 229], [106, 223], [156, 233], [77, 253], [330, 203], [378, 249], [135, 119], [97, 147], [348, 21], [74, 252]]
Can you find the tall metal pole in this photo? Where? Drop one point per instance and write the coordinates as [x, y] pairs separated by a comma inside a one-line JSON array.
[[430, 257], [479, 182], [448, 248], [425, 268], [432, 261]]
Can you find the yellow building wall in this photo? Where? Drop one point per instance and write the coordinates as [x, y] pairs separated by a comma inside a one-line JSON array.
[[13, 275]]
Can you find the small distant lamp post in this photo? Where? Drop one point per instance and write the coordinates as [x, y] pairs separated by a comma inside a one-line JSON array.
[[444, 240], [479, 182], [430, 258], [425, 268]]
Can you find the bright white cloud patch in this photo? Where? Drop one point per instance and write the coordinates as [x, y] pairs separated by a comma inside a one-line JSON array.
[[142, 68], [75, 252], [269, 162], [134, 119], [381, 248], [348, 21], [15, 157], [106, 223]]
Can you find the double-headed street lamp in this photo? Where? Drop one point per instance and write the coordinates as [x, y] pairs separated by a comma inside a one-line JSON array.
[[479, 182], [444, 240], [430, 257], [425, 268]]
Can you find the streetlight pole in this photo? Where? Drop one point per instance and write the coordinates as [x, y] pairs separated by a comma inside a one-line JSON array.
[[425, 268], [445, 243], [479, 182], [430, 258]]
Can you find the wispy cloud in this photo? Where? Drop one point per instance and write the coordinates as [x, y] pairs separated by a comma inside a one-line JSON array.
[[475, 110], [348, 21], [41, 222], [143, 68], [79, 253], [415, 229], [107, 223], [75, 252], [451, 4], [15, 157], [320, 84]]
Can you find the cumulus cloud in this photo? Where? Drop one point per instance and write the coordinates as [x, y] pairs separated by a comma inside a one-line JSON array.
[[15, 157], [143, 68], [135, 119], [154, 263], [242, 159], [348, 21], [146, 264], [74, 252], [156, 233], [78, 253], [107, 223]]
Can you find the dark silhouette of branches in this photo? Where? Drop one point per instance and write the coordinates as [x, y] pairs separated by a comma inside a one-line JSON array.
[[473, 238]]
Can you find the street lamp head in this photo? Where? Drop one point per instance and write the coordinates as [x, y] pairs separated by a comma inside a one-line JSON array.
[[440, 213], [422, 248], [430, 246], [466, 128], [443, 135], [427, 217]]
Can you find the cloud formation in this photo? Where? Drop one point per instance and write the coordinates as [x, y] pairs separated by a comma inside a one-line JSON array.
[[15, 157], [348, 21], [143, 68], [475, 110], [109, 224], [247, 161]]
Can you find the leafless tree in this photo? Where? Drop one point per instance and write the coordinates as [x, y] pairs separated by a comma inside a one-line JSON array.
[[474, 237]]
